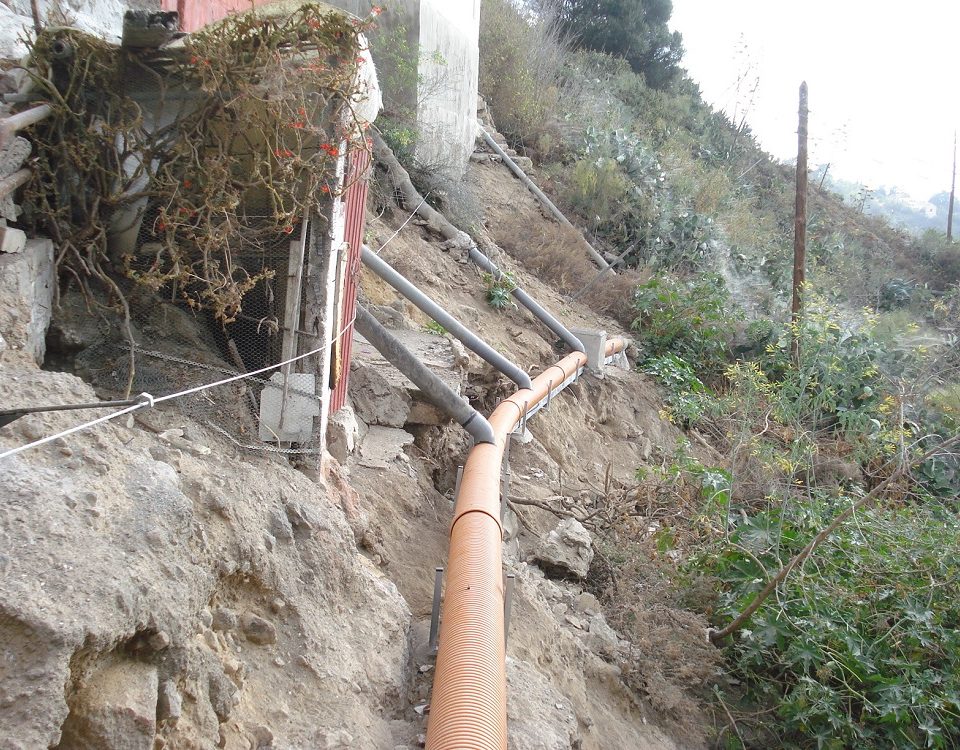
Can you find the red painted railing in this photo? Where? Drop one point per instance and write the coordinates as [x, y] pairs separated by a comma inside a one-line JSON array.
[[358, 176], [195, 15]]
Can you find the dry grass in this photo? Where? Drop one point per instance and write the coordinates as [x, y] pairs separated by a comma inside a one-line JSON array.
[[558, 255]]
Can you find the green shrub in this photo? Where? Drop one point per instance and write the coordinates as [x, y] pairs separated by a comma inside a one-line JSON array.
[[500, 289], [692, 319], [837, 380], [861, 646], [599, 191], [895, 293], [520, 60], [685, 391]]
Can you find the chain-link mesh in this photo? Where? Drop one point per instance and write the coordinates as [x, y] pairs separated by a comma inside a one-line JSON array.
[[178, 348]]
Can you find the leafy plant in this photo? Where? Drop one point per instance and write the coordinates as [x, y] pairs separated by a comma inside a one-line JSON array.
[[685, 389], [860, 647], [895, 293], [500, 289], [435, 328], [692, 319], [837, 379]]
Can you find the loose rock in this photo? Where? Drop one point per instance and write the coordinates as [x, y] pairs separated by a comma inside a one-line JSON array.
[[566, 551], [257, 629], [169, 702], [587, 604], [159, 640], [115, 709], [224, 619]]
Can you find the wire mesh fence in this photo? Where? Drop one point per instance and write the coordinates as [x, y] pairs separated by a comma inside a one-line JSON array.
[[178, 348]]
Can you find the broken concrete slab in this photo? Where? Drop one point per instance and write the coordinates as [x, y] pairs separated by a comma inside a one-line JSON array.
[[26, 297], [344, 433], [382, 446], [382, 395]]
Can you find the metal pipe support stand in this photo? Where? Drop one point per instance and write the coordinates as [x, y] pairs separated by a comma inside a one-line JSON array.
[[435, 614], [508, 606]]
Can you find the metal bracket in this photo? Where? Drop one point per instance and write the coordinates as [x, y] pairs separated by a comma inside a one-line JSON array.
[[456, 489], [545, 403], [508, 606], [505, 478], [435, 614]]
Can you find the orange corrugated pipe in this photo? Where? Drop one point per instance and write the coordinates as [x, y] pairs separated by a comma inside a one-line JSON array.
[[468, 708]]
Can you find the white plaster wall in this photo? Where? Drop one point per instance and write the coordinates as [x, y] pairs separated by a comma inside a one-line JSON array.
[[449, 66], [449, 70], [103, 18]]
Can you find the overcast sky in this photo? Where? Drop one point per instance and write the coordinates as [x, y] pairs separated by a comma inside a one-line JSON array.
[[884, 80]]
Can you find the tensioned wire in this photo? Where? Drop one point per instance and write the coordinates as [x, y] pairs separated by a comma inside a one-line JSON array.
[[149, 401]]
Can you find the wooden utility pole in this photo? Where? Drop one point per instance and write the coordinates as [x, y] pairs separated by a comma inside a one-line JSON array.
[[953, 189], [800, 223]]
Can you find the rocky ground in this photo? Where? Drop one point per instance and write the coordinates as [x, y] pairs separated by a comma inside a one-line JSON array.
[[161, 588]]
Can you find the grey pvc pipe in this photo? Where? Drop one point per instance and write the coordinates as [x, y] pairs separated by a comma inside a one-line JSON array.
[[469, 339], [10, 125], [432, 387], [541, 196], [531, 304]]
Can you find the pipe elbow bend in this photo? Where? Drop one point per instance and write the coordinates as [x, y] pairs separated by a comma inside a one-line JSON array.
[[480, 429]]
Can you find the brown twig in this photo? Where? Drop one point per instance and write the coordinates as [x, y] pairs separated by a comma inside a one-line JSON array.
[[35, 10]]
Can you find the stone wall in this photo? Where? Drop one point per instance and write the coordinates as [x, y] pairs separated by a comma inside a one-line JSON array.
[[102, 18], [26, 293]]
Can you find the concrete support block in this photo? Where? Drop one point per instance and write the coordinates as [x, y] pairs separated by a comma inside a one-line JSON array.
[[344, 433], [297, 414], [12, 240], [595, 347], [26, 297]]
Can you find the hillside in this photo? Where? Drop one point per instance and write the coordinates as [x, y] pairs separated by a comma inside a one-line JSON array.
[[742, 534], [340, 564], [830, 431]]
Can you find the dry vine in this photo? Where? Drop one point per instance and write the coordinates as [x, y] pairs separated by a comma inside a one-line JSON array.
[[246, 121]]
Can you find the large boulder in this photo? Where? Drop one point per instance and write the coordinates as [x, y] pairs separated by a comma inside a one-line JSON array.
[[566, 551]]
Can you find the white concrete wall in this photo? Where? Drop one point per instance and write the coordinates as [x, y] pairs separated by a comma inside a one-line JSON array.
[[448, 32], [102, 18], [449, 70]]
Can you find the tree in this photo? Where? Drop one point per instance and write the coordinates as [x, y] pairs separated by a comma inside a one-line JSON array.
[[634, 29]]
